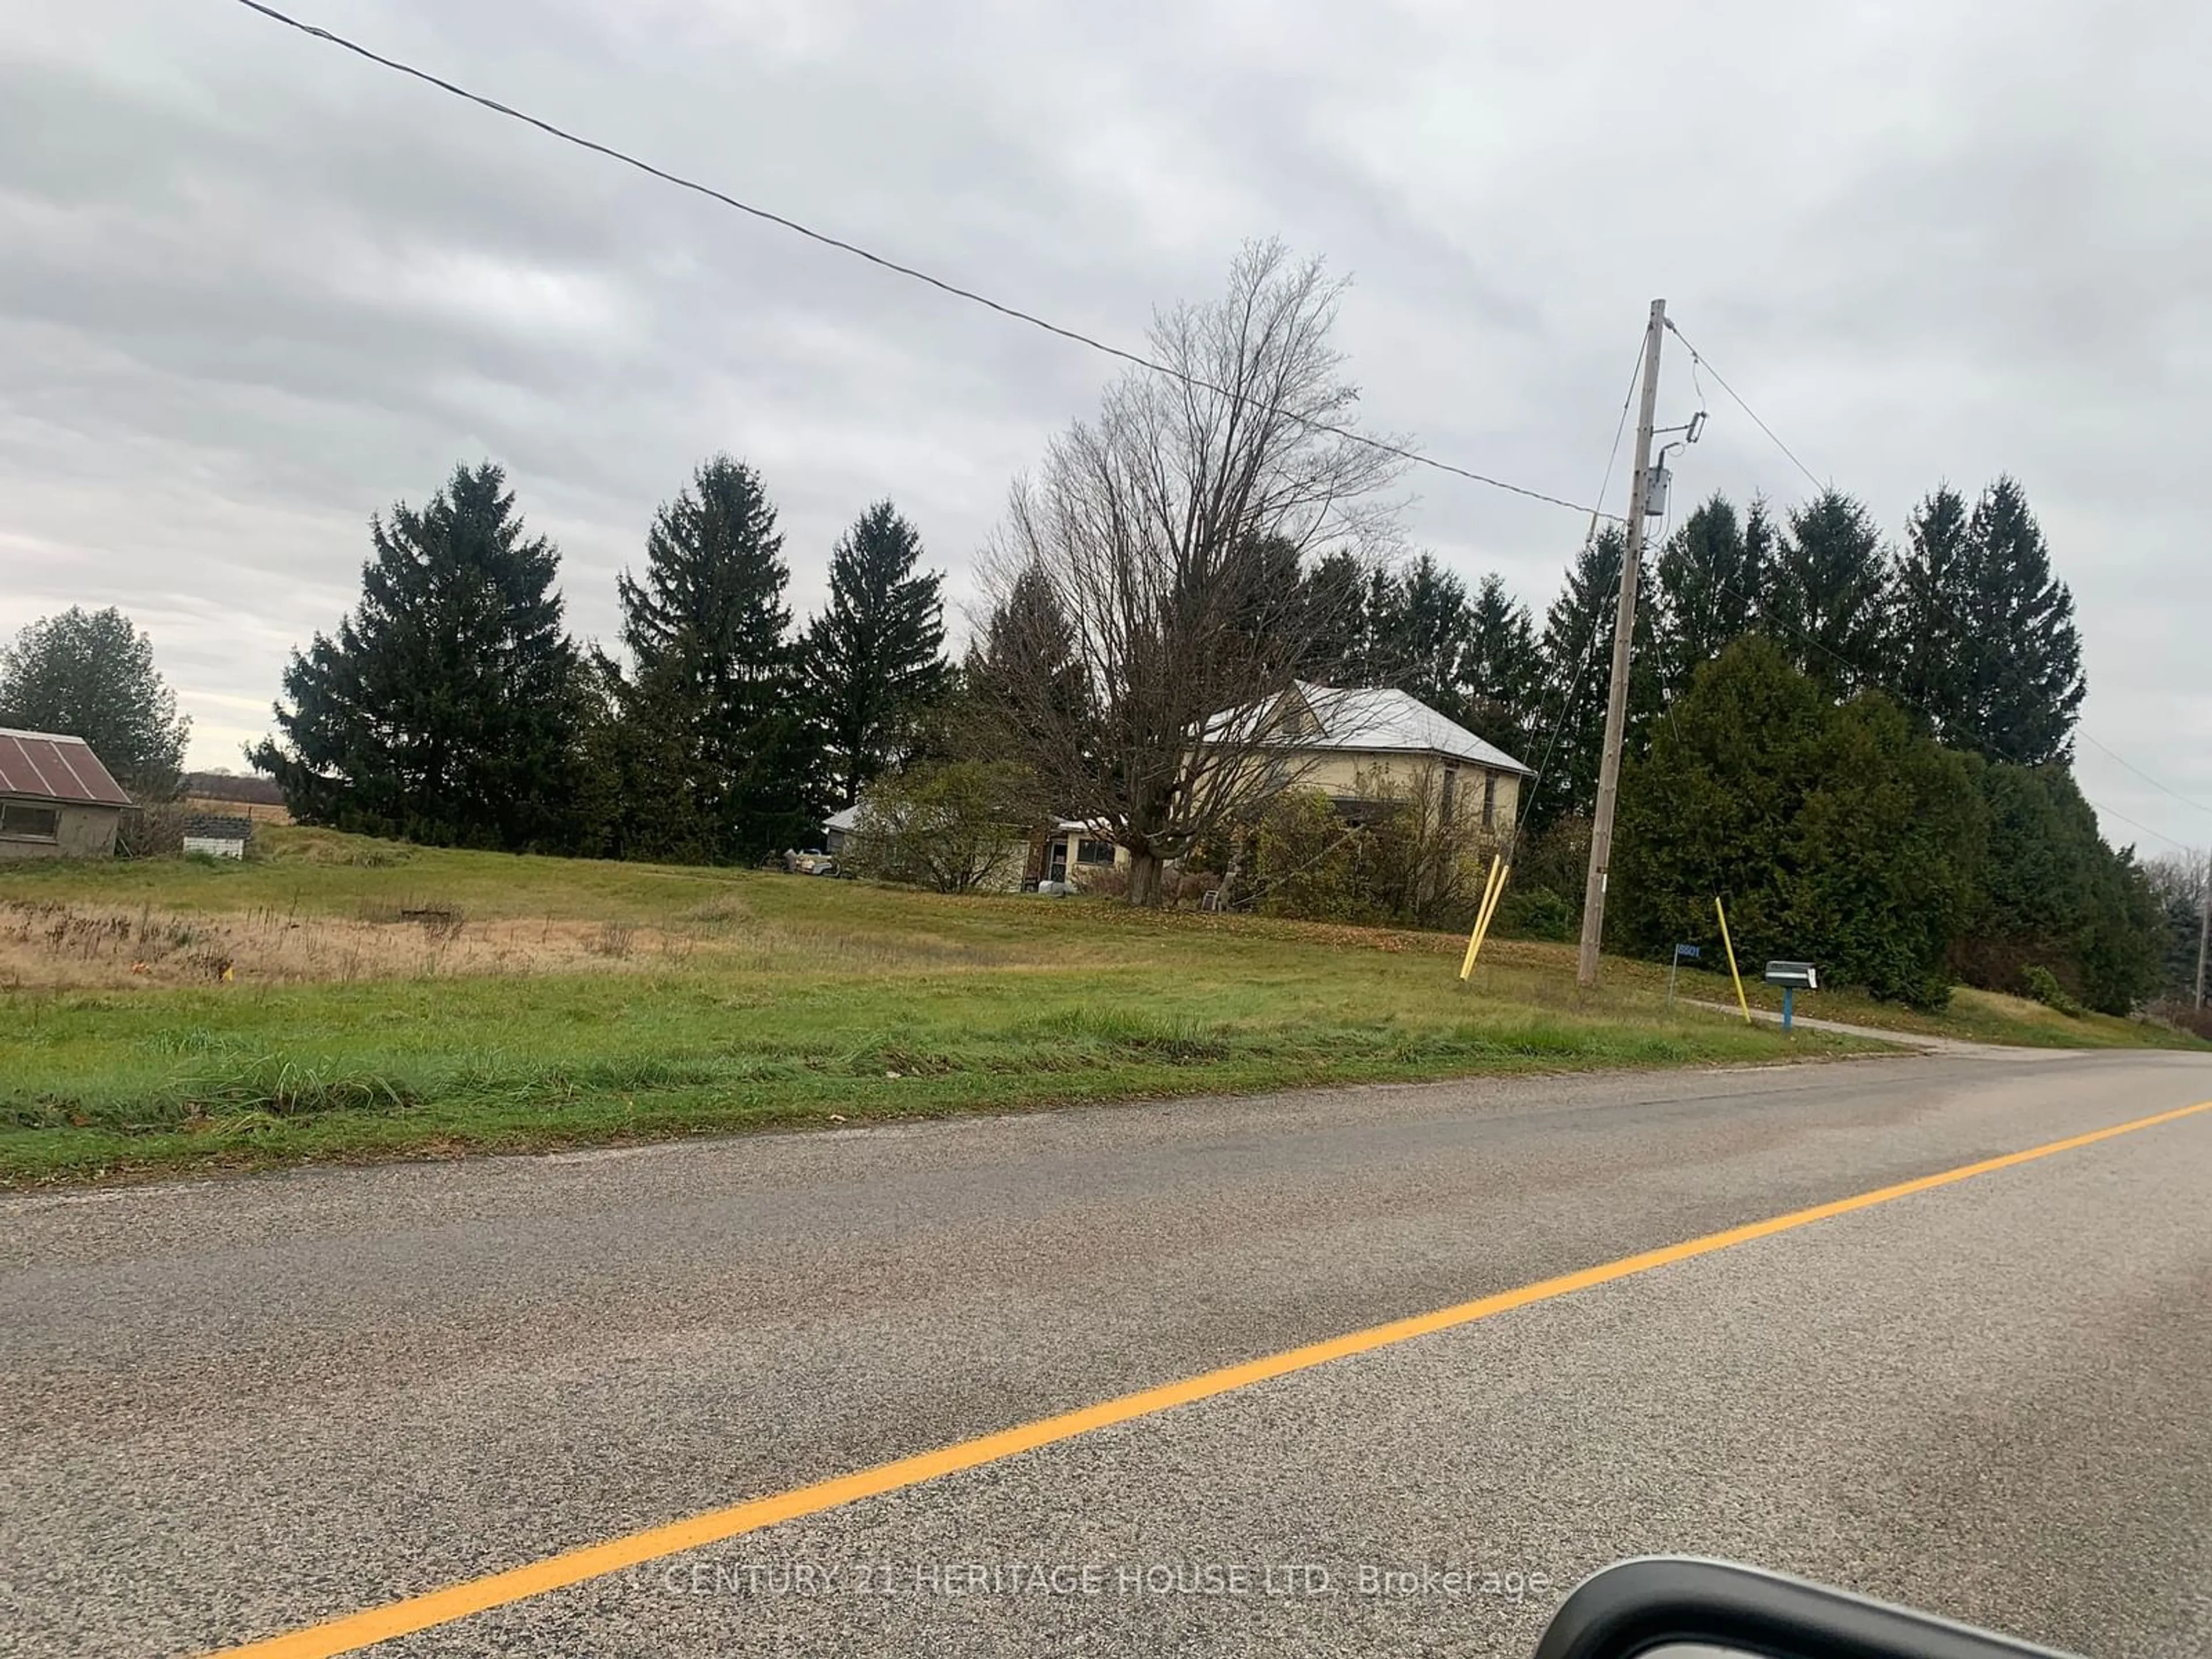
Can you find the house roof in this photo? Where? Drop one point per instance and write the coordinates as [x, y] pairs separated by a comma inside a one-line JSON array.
[[213, 826], [1379, 720], [49, 766], [231, 785]]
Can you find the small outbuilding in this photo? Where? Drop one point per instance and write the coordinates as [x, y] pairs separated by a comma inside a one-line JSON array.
[[56, 801], [217, 835]]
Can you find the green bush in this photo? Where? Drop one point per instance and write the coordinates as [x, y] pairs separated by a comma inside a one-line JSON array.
[[2043, 984], [1392, 855], [953, 828], [1537, 912]]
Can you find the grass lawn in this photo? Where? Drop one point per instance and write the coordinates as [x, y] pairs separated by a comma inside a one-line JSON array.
[[343, 998]]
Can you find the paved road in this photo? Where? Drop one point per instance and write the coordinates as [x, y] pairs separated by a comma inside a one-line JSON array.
[[244, 1406]]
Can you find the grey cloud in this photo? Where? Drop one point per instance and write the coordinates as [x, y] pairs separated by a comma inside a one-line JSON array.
[[252, 290]]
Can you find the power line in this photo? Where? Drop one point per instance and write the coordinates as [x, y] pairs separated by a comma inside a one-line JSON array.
[[1137, 359], [1700, 363], [2121, 759]]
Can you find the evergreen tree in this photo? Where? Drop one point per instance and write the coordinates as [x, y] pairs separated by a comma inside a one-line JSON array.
[[2023, 682], [1576, 650], [2177, 885], [90, 674], [1027, 694], [1887, 848], [1421, 628], [1501, 675], [1932, 606], [1340, 646], [1827, 599], [874, 659], [1987, 644], [2054, 894], [1271, 622], [448, 706], [643, 759], [1711, 579], [1835, 832], [715, 687]]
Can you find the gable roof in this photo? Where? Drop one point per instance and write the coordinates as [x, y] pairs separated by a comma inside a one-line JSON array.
[[1378, 720], [49, 766]]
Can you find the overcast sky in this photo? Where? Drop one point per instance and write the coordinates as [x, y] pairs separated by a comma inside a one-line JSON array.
[[252, 288]]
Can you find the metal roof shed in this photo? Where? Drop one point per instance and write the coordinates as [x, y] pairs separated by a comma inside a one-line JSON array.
[[57, 800]]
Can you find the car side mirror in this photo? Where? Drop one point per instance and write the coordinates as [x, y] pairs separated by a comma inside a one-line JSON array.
[[1663, 1607]]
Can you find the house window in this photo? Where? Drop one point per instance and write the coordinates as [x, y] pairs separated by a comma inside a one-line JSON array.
[[32, 822], [1094, 852], [1450, 795], [1490, 800]]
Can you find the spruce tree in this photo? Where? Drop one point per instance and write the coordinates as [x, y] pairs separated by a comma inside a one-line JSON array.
[[1710, 577], [1827, 600], [90, 674], [2024, 684], [1027, 694], [1337, 629], [1501, 670], [1577, 649], [1933, 603], [874, 659], [1421, 629], [448, 706], [716, 675], [1988, 647]]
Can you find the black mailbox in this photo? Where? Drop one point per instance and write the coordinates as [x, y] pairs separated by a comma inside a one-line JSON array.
[[1793, 975]]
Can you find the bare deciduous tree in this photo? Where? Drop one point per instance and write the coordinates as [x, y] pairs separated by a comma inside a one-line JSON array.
[[1166, 542]]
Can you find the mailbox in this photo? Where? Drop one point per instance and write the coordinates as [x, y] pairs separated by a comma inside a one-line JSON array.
[[1792, 977]]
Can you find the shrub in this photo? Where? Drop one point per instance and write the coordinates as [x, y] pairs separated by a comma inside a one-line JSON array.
[[1305, 864], [1537, 912], [1396, 859], [152, 832], [2043, 984], [953, 828]]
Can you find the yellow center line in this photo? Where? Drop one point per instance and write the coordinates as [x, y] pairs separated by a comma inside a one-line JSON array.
[[415, 1612]]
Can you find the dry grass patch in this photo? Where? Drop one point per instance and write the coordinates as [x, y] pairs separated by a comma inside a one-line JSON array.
[[57, 944]]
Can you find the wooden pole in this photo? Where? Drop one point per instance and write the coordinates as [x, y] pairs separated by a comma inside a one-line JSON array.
[[1623, 633]]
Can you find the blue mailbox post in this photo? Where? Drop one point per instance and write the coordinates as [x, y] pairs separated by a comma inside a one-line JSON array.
[[1792, 977]]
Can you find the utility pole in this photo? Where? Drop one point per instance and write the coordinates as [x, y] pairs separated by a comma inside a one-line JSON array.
[[1623, 633]]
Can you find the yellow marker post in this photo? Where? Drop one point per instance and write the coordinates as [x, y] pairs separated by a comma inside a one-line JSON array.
[[1742, 1002], [1482, 912], [1495, 890], [1490, 911]]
